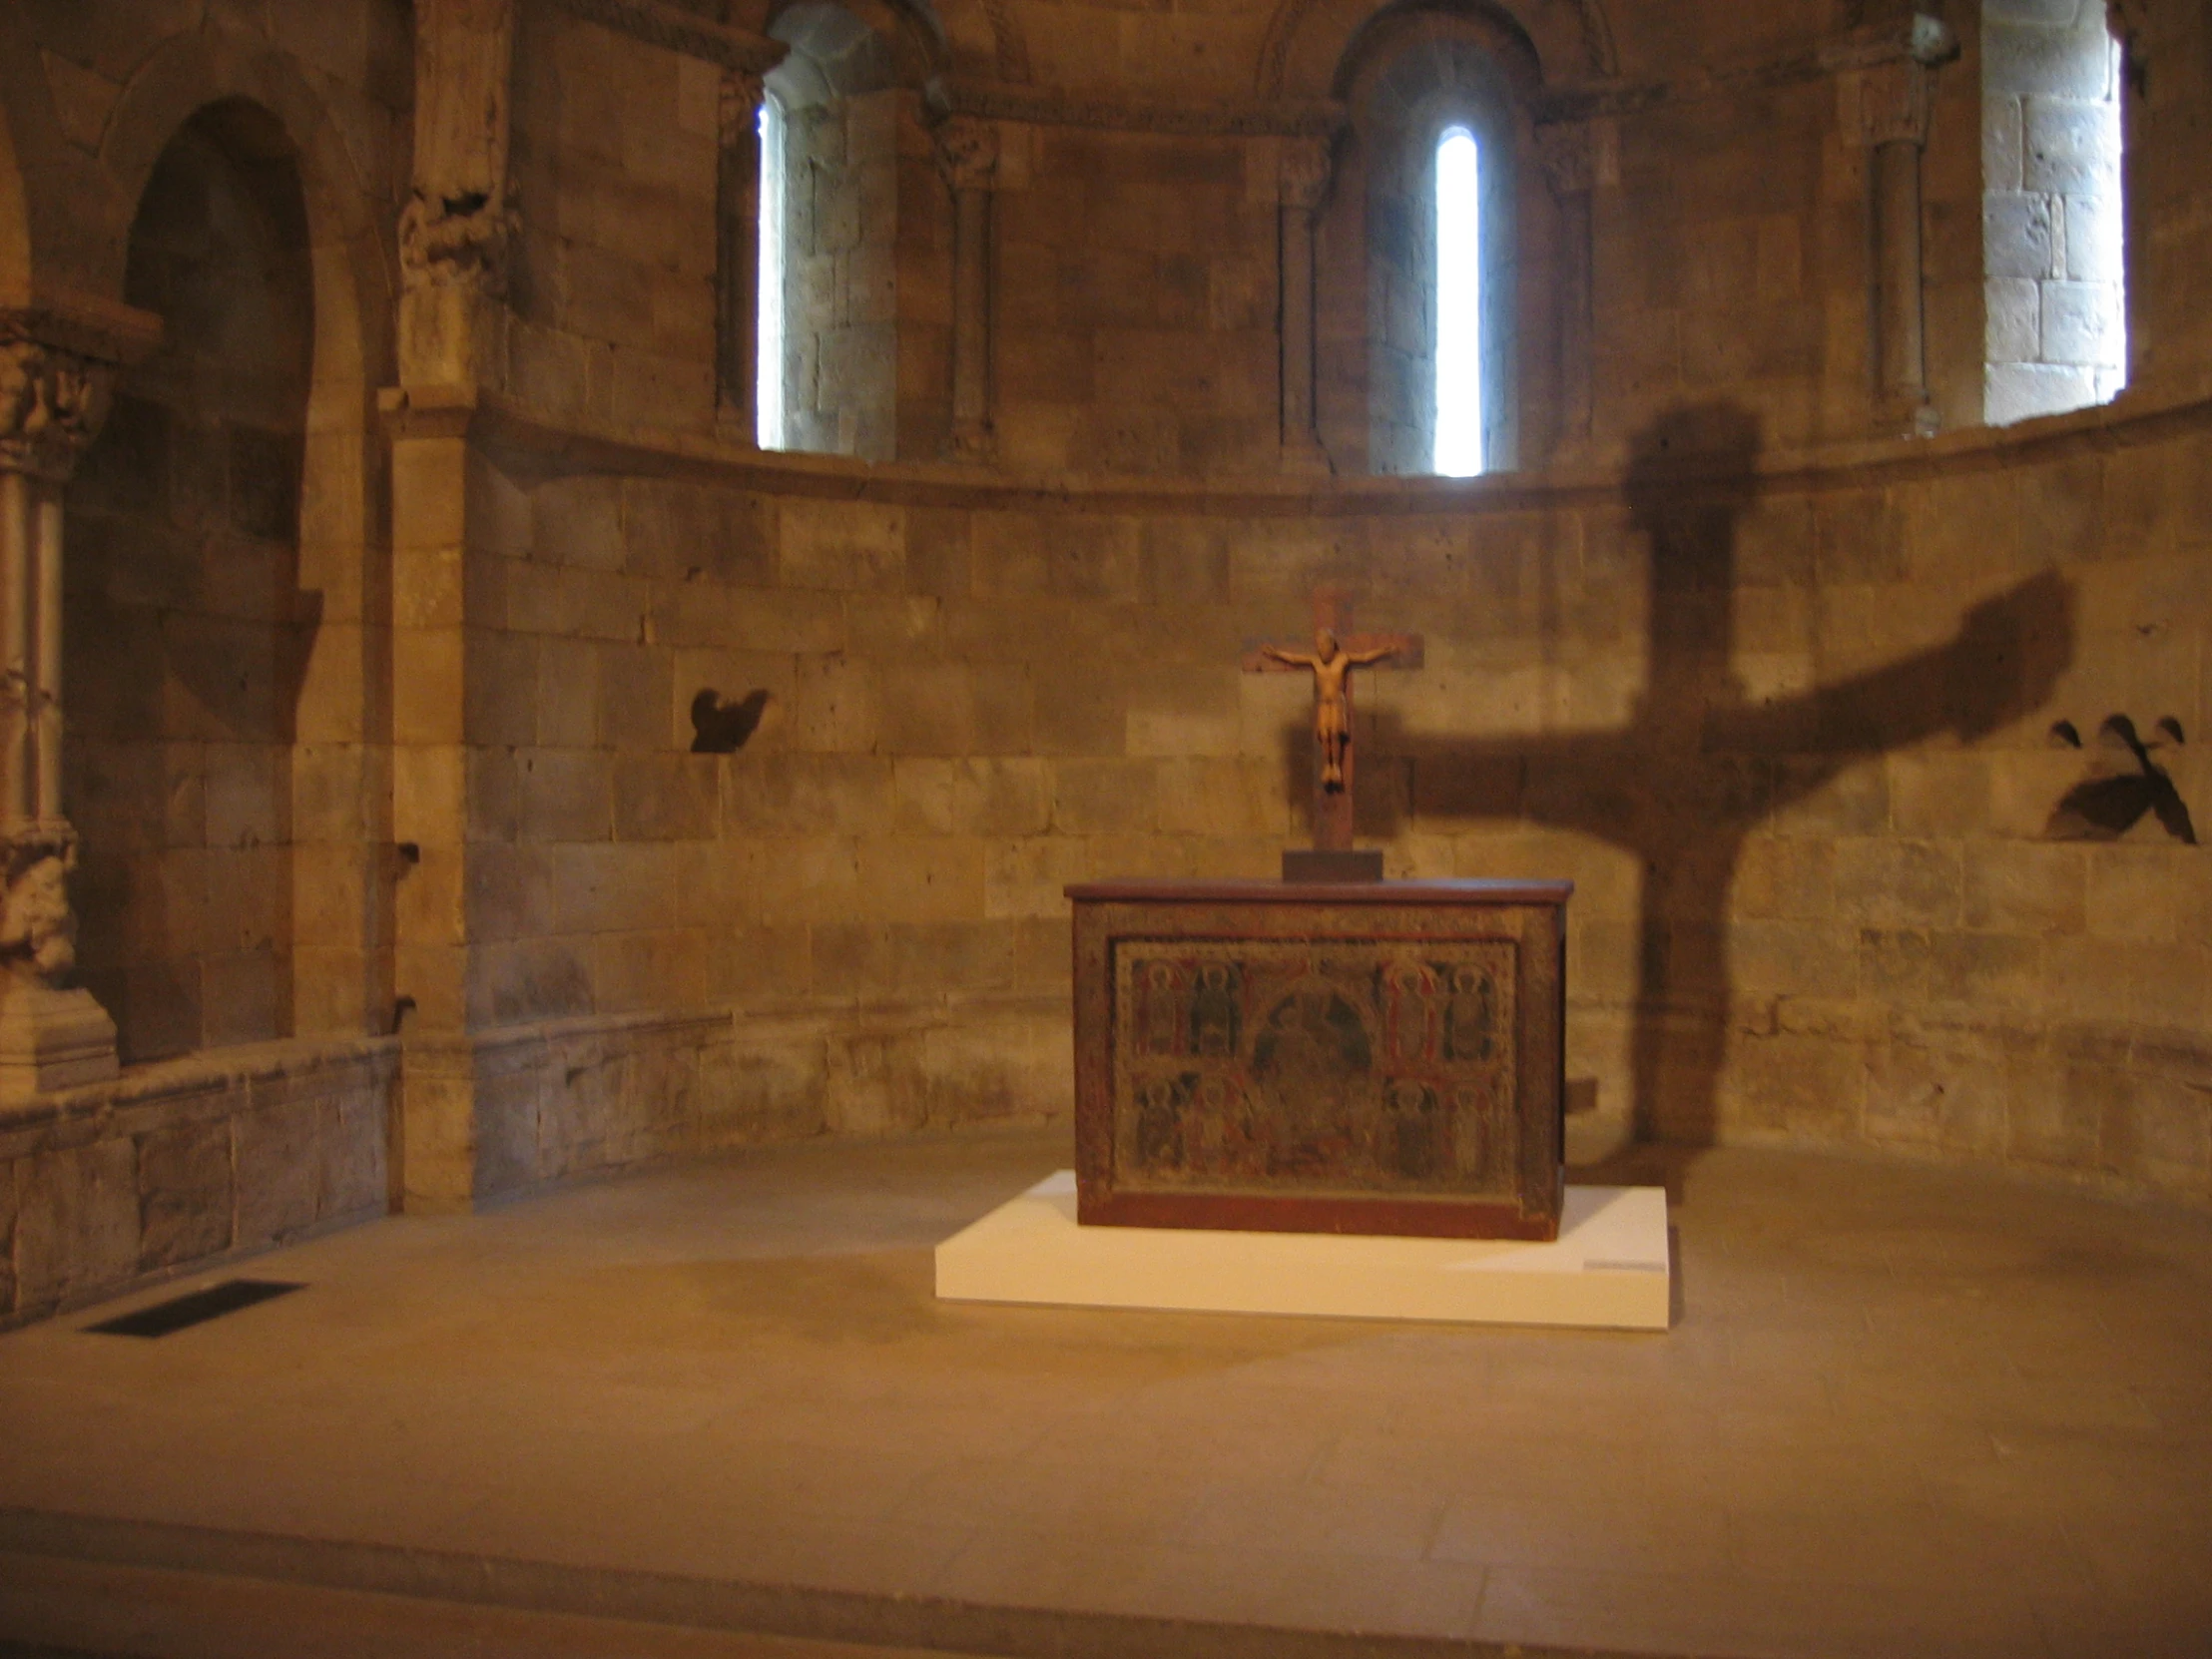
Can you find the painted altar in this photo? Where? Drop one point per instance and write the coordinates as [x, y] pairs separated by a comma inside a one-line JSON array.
[[1374, 1057]]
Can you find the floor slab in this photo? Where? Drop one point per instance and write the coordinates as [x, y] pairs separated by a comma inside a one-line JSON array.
[[1900, 1409]]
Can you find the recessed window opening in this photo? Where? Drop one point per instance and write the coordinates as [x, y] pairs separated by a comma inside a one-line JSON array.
[[1459, 450], [2054, 261], [769, 396]]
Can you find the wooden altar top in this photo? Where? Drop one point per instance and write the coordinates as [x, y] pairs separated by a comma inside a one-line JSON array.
[[1437, 890]]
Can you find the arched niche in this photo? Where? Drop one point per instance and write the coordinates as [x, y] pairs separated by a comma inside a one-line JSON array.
[[1307, 41], [850, 86], [1406, 75], [325, 610]]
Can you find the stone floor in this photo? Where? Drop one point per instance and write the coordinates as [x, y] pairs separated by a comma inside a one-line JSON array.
[[1902, 1411]]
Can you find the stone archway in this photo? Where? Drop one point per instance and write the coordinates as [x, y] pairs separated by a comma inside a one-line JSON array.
[[186, 621], [324, 765]]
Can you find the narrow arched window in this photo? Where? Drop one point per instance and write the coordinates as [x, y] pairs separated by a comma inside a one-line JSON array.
[[769, 393], [1458, 434], [1428, 227]]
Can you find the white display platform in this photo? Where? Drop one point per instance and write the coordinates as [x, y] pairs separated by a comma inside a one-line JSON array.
[[1609, 1268]]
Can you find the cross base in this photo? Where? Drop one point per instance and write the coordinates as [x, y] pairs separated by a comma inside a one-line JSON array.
[[1324, 865]]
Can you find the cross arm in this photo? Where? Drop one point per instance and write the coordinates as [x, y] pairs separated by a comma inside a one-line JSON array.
[[1264, 657], [1385, 650]]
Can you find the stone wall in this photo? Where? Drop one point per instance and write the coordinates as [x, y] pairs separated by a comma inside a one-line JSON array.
[[1136, 302], [1825, 891], [186, 1164], [612, 284]]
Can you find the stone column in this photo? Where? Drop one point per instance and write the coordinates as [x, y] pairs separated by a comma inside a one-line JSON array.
[[1885, 108], [738, 257], [456, 228], [51, 400], [1303, 177], [455, 239], [1571, 169], [967, 156]]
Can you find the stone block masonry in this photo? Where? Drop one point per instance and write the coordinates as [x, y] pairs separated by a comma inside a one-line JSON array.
[[186, 1164], [854, 922]]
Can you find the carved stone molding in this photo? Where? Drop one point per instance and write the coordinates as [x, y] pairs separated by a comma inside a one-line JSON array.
[[1046, 106], [52, 1035], [1568, 152], [1886, 103], [1917, 39], [456, 241], [1303, 173], [662, 23], [52, 402], [1598, 53], [737, 108], [1009, 42], [966, 152], [38, 929]]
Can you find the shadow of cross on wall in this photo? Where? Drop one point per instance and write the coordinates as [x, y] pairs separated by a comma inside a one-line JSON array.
[[1701, 764]]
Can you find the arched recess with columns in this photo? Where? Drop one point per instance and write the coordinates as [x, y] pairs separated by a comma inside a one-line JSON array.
[[863, 372], [1406, 75], [227, 600]]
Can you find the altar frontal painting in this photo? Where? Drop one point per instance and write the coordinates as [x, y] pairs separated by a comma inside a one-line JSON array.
[[1379, 1057], [1284, 1067]]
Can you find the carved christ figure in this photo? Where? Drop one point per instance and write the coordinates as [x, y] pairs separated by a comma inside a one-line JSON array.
[[1329, 662]]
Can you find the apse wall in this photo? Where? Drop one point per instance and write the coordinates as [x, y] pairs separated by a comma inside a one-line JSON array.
[[1826, 890]]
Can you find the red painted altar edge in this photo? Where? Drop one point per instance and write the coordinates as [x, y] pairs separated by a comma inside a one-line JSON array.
[[1371, 1057]]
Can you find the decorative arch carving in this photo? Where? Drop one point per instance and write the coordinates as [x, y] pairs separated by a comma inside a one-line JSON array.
[[1435, 34], [1010, 44], [1306, 40], [15, 228], [62, 197], [920, 46]]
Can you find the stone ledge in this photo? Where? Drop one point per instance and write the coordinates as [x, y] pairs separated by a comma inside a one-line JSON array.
[[506, 427], [868, 1621], [203, 1076]]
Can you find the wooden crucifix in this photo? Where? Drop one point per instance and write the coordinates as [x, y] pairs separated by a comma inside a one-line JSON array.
[[1335, 653]]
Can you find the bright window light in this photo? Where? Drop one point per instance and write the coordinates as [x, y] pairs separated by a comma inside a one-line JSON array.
[[768, 410], [1458, 308], [2108, 233]]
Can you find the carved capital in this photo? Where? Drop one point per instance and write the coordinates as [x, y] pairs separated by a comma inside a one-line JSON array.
[[52, 402], [1568, 152], [1303, 172], [738, 108], [447, 241], [38, 929], [967, 152], [1885, 103]]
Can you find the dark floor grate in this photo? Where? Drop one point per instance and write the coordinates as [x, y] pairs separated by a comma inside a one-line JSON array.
[[197, 1309]]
